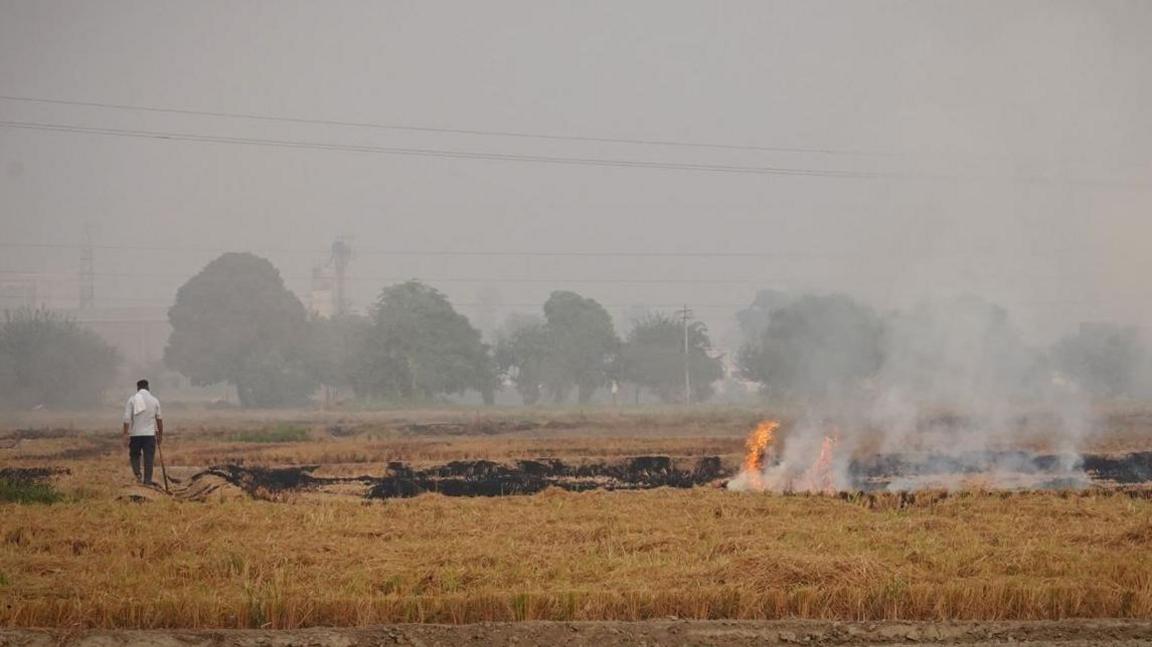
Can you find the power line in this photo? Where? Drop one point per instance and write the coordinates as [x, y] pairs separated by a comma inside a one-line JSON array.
[[673, 308], [686, 314], [154, 248], [445, 252], [427, 279], [599, 254], [149, 300], [765, 282], [776, 254], [454, 154], [556, 160], [453, 131], [460, 304], [87, 269]]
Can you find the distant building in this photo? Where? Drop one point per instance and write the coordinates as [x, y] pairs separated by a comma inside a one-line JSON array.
[[323, 296], [329, 296], [140, 333]]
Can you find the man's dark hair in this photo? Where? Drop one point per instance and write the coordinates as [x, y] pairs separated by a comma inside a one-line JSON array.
[[142, 384]]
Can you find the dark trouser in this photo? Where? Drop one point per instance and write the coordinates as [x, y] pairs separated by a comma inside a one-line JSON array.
[[147, 445]]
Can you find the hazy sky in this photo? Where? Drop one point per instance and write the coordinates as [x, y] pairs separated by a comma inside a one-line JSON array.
[[999, 148]]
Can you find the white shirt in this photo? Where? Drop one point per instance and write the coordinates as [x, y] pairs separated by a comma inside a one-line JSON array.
[[144, 423]]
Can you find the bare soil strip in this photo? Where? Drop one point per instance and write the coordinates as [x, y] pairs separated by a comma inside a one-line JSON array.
[[609, 634]]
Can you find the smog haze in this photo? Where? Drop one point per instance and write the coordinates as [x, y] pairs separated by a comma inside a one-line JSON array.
[[646, 154]]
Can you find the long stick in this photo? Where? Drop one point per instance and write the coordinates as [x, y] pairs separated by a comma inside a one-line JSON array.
[[163, 470]]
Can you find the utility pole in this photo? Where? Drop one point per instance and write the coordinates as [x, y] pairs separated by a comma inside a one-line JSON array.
[[686, 314], [341, 256], [87, 270]]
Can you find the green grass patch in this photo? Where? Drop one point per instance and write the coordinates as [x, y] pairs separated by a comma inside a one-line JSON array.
[[28, 492], [282, 433]]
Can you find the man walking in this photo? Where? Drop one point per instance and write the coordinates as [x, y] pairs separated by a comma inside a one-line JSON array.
[[143, 430]]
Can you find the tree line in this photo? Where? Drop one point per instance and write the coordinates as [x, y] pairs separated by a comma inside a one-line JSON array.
[[823, 346], [236, 322]]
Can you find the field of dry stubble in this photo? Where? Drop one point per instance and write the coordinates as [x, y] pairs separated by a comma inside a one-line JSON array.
[[94, 554]]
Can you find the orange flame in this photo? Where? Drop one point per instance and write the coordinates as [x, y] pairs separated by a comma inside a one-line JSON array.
[[756, 448], [818, 477]]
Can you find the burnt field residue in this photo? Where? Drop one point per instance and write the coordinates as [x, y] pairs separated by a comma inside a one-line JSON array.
[[482, 427], [467, 478], [1124, 469], [40, 434], [260, 482], [870, 476], [83, 445], [251, 479], [30, 475], [488, 478], [92, 448]]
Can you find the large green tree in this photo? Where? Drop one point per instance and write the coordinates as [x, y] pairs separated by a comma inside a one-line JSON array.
[[236, 322], [47, 359], [420, 347], [522, 355], [653, 357], [583, 345], [754, 319], [815, 346], [336, 345]]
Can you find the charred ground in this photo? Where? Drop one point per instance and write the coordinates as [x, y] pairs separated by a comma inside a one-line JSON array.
[[525, 477]]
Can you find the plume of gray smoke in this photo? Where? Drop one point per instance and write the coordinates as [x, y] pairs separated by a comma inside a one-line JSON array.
[[956, 380]]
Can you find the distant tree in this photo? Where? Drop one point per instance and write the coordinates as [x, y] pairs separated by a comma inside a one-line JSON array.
[[523, 354], [1103, 358], [953, 350], [754, 319], [335, 348], [236, 322], [47, 359], [7, 377], [815, 346], [420, 347], [653, 357], [583, 344]]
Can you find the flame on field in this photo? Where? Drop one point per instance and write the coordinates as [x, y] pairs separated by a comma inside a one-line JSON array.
[[757, 446], [819, 477], [793, 470]]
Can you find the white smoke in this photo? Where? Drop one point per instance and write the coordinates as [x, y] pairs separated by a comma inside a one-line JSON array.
[[959, 395]]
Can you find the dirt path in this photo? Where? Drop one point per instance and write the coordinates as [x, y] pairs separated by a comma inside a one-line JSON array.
[[611, 634]]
